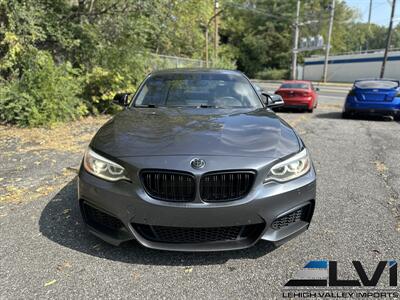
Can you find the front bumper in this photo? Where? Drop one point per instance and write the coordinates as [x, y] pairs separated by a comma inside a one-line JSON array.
[[129, 204]]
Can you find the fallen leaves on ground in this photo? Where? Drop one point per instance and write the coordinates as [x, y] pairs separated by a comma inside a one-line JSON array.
[[380, 167], [63, 266], [70, 137], [27, 149], [50, 282]]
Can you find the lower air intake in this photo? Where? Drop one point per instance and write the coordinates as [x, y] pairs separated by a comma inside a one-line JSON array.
[[300, 214], [166, 234], [97, 218]]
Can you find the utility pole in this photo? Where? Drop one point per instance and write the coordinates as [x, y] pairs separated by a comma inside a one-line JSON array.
[[206, 39], [207, 31], [328, 44], [369, 24], [388, 39], [295, 42], [369, 13], [216, 40]]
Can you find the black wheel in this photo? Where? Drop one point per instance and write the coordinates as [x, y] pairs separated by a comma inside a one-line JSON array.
[[310, 110], [345, 115], [397, 117], [388, 118]]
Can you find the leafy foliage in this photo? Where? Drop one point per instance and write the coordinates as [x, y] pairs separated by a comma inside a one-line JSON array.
[[62, 59], [44, 94], [272, 74]]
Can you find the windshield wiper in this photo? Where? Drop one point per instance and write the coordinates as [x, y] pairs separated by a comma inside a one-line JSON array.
[[207, 106], [147, 105]]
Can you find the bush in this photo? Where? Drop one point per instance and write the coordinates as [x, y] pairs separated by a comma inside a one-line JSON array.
[[224, 63], [119, 70], [226, 58], [43, 94], [100, 87], [272, 74]]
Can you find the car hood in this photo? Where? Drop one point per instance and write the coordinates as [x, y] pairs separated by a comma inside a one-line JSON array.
[[196, 131]]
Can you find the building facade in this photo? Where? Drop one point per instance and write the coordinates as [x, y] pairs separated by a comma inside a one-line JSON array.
[[349, 67]]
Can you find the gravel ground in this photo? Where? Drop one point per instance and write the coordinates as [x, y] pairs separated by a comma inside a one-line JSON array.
[[47, 253]]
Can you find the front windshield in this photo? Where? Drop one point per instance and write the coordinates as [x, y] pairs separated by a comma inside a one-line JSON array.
[[198, 90]]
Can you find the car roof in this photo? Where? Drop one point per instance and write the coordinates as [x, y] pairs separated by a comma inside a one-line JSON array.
[[195, 70]]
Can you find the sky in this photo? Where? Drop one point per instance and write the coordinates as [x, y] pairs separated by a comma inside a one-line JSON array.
[[380, 10]]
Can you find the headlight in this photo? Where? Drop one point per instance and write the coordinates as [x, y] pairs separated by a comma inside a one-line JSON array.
[[102, 167], [291, 168]]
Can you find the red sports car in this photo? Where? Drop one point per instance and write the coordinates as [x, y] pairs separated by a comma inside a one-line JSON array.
[[299, 94]]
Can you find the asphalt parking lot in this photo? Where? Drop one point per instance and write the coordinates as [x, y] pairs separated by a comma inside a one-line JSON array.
[[45, 252]]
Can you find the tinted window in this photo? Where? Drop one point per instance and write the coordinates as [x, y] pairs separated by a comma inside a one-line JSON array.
[[196, 89], [295, 86], [376, 84]]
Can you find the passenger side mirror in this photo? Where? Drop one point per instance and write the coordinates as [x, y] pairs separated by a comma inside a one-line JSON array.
[[317, 89], [273, 100], [121, 99]]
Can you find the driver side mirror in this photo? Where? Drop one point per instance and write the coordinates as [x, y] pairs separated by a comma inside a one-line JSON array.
[[273, 100], [121, 99]]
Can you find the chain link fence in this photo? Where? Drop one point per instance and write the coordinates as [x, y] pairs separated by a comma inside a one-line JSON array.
[[159, 62]]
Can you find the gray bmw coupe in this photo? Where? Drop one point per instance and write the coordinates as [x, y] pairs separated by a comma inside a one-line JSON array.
[[197, 161]]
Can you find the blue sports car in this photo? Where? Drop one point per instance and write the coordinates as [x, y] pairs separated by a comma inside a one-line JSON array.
[[374, 97]]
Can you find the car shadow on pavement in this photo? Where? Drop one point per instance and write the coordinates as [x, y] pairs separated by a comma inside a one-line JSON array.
[[61, 222], [289, 110], [329, 115], [338, 115]]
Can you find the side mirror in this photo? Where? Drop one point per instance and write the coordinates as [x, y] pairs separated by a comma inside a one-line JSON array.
[[317, 89], [121, 99], [273, 100]]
